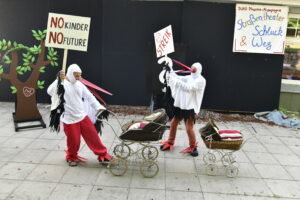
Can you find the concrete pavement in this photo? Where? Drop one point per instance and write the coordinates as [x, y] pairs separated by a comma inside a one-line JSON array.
[[32, 166]]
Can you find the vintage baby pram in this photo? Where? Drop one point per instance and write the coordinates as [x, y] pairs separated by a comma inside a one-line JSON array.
[[142, 132], [220, 148]]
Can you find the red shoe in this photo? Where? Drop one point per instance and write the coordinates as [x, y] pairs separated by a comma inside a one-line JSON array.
[[192, 150], [166, 146], [105, 159]]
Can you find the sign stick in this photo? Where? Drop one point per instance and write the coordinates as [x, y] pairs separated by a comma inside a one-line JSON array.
[[65, 59]]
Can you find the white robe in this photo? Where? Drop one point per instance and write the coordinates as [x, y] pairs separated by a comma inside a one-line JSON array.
[[187, 91], [75, 108]]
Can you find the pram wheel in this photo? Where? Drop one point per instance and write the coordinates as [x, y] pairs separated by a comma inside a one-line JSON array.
[[149, 168], [227, 159], [231, 171], [122, 151], [149, 152], [209, 158], [211, 169], [117, 166]]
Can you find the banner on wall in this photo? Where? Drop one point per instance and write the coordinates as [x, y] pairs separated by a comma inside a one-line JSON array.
[[164, 41], [67, 32], [260, 29]]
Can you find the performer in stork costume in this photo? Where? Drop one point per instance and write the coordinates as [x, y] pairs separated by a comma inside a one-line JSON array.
[[78, 103], [187, 93]]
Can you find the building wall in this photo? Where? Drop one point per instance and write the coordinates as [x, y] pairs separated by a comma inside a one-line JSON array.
[[121, 55]]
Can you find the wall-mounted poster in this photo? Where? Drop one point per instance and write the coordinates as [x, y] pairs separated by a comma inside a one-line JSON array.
[[260, 29], [164, 41], [68, 31]]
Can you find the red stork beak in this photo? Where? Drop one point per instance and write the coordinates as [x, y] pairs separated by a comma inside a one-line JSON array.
[[183, 65]]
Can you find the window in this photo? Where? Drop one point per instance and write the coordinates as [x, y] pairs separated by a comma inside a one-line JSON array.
[[291, 64]]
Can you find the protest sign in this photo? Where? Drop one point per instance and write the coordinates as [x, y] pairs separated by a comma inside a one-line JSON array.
[[68, 32], [164, 41]]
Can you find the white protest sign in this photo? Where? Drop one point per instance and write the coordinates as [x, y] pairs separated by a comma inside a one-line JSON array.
[[67, 32], [164, 41], [260, 29]]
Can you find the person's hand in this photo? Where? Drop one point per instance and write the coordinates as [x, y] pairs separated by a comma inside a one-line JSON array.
[[168, 61], [62, 75], [101, 110], [168, 77]]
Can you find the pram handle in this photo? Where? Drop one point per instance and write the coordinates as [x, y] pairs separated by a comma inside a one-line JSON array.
[[113, 114]]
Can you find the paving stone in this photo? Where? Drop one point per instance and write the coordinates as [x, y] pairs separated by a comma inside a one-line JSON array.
[[7, 186], [32, 190], [272, 171], [146, 194], [182, 182], [30, 156], [284, 188], [17, 171], [108, 193], [263, 158], [7, 154], [47, 173], [81, 175], [291, 160], [179, 195], [71, 191]]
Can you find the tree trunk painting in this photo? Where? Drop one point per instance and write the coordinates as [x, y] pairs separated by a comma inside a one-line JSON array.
[[34, 63]]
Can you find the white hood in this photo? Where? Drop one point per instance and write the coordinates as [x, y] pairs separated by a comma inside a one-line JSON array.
[[71, 69]]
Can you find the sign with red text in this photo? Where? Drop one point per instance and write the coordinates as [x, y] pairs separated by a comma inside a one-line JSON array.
[[260, 29], [164, 41], [68, 32]]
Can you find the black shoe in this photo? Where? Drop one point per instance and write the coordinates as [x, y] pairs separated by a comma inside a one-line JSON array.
[[194, 153]]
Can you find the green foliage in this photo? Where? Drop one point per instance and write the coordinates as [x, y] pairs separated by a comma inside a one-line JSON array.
[[28, 58], [53, 56], [42, 69], [1, 69], [290, 114], [14, 89], [21, 70], [7, 60], [39, 35], [35, 49], [40, 84]]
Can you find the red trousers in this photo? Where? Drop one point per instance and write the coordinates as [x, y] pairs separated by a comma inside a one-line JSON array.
[[189, 125], [87, 130]]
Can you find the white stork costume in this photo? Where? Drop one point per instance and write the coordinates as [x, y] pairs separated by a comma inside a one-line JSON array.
[[187, 93], [78, 101]]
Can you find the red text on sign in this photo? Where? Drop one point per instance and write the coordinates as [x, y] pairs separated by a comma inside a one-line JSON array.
[[55, 21], [163, 42]]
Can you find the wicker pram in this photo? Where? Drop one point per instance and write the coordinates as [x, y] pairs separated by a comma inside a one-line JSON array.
[[151, 132], [217, 147]]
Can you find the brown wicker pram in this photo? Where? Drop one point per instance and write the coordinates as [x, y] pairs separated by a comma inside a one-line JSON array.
[[217, 147], [151, 132]]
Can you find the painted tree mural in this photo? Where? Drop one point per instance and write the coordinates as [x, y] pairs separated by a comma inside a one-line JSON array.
[[33, 62]]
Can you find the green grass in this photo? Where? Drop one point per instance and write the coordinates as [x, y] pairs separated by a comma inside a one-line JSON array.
[[290, 114]]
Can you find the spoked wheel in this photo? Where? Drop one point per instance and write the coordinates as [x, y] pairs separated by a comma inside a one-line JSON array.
[[209, 158], [227, 159], [211, 169], [232, 171], [122, 151], [149, 168], [117, 166], [149, 152]]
